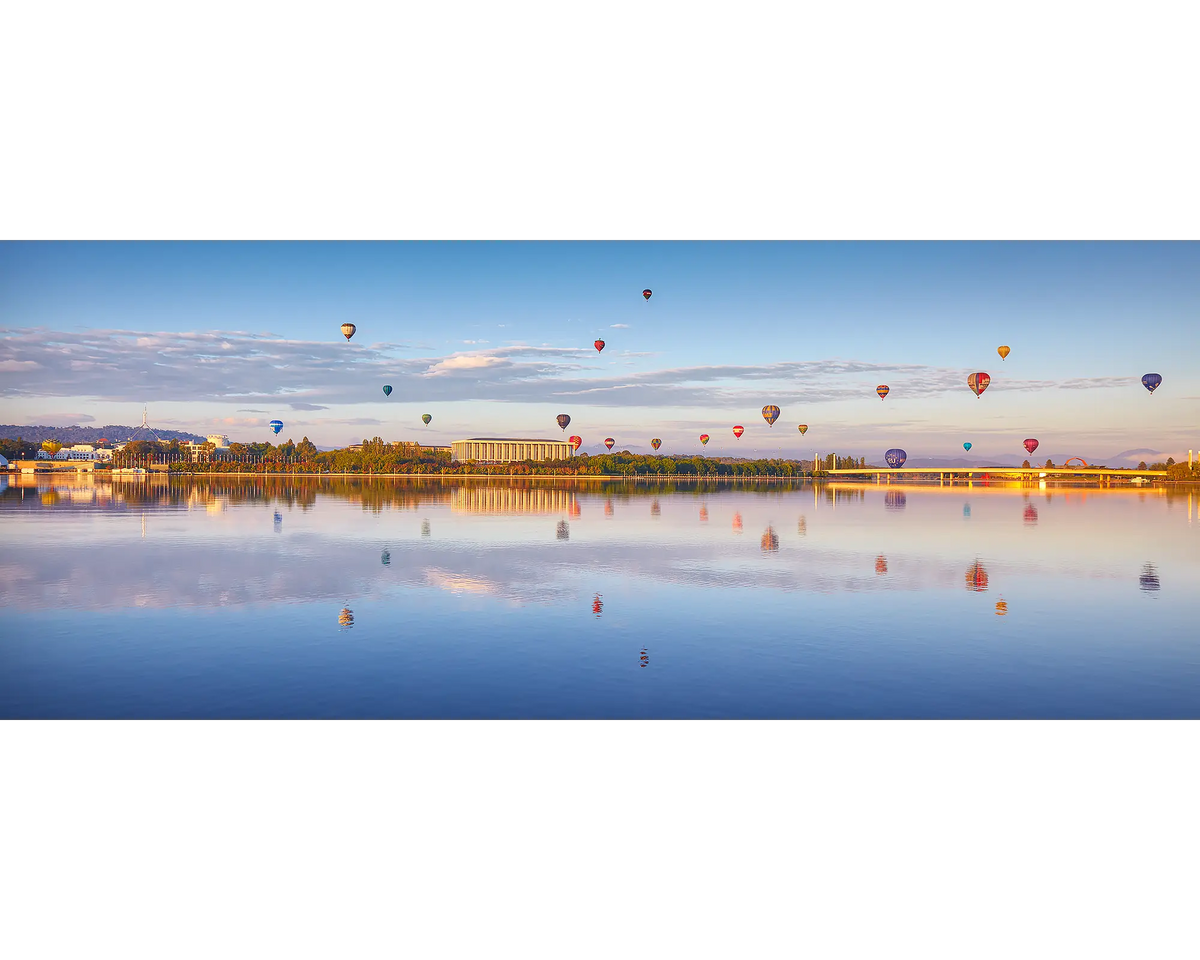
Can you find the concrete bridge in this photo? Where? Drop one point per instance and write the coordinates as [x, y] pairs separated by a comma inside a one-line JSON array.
[[1101, 475]]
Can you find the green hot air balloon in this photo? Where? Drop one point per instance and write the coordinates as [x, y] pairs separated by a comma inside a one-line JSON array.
[[387, 389], [426, 417]]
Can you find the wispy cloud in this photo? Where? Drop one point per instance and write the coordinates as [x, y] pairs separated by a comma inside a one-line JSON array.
[[618, 326], [299, 405]]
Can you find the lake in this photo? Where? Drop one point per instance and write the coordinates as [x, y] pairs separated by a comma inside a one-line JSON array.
[[493, 598]]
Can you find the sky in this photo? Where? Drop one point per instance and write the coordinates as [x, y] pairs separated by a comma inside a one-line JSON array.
[[496, 339]]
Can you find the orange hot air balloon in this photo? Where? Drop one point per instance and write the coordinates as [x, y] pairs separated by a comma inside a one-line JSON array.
[[883, 390], [656, 443], [599, 345], [738, 430], [978, 382], [575, 442], [704, 439], [1001, 608], [608, 442], [1003, 351], [803, 428], [348, 330]]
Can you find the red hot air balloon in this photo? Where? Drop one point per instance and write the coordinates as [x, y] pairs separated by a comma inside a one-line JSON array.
[[646, 293], [1031, 445], [599, 345], [575, 442], [883, 390], [608, 442], [978, 382], [738, 430], [704, 439]]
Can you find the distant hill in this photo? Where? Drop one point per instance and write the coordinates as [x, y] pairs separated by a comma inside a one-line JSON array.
[[113, 432]]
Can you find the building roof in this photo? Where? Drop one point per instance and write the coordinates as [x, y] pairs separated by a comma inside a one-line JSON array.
[[507, 440]]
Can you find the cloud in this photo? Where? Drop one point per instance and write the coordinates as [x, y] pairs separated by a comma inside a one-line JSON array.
[[618, 326], [299, 405], [12, 366], [249, 410]]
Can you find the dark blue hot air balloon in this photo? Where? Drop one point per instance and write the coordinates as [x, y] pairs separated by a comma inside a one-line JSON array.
[[895, 458], [276, 425], [1151, 381]]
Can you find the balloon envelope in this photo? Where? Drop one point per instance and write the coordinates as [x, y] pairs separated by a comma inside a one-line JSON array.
[[1151, 381], [276, 425], [770, 413], [1031, 445], [426, 417], [738, 430], [883, 390], [348, 330], [704, 439], [575, 442], [608, 442], [967, 445], [978, 382], [1003, 351], [599, 345], [803, 428], [895, 457], [387, 390], [646, 293], [656, 443], [563, 420]]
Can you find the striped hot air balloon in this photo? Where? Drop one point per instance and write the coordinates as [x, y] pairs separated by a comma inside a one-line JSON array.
[[348, 330], [883, 390], [770, 413], [608, 442], [704, 439], [575, 442], [738, 430], [978, 382], [803, 428]]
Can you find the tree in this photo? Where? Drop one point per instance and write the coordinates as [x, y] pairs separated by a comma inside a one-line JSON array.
[[1049, 464], [1170, 461], [1142, 465], [1025, 464], [306, 449]]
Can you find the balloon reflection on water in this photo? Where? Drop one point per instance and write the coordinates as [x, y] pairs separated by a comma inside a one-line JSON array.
[[425, 528], [881, 564], [895, 500], [1001, 608], [703, 513], [1148, 581], [563, 531], [770, 540], [597, 604], [977, 578], [644, 659], [655, 509], [608, 508], [346, 617], [385, 558], [1031, 514], [737, 523]]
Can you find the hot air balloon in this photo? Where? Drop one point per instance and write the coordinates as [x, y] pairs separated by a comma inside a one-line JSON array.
[[348, 330], [978, 382], [770, 413], [575, 442], [803, 428], [599, 345], [563, 421], [656, 443], [704, 439], [1031, 445], [387, 390], [1003, 351], [883, 390], [276, 425], [967, 445], [646, 293], [426, 417], [608, 442], [1151, 381], [738, 430], [895, 457]]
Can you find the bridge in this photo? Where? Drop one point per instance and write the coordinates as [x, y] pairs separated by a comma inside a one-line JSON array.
[[1101, 475]]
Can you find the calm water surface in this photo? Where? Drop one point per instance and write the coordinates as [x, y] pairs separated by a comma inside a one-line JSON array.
[[482, 599]]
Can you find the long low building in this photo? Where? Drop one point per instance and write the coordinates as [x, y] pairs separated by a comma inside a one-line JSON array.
[[507, 450]]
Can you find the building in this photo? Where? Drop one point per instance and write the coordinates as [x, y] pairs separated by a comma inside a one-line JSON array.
[[507, 450]]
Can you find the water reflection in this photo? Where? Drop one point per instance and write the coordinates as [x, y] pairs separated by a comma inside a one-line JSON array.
[[737, 523], [644, 659], [704, 513], [597, 605], [563, 531], [1148, 581], [881, 565], [1001, 608], [278, 521], [802, 527], [425, 530], [770, 540], [967, 510], [608, 507], [977, 578], [655, 509], [895, 500], [386, 557], [346, 617], [1031, 514]]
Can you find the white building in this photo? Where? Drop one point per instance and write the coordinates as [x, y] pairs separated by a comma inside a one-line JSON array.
[[84, 451], [218, 440], [506, 450]]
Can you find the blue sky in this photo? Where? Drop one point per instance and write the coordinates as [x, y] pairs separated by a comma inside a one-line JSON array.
[[495, 339]]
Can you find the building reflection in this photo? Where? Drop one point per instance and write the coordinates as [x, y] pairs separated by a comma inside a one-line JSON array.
[[509, 500]]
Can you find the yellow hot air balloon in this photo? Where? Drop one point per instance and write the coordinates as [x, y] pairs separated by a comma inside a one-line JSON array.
[[348, 330], [1003, 351]]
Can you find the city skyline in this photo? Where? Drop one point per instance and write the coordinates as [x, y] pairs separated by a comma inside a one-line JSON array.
[[496, 339]]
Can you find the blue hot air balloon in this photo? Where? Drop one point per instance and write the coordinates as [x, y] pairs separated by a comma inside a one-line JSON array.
[[1151, 381], [276, 425], [967, 446], [895, 457], [387, 389]]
